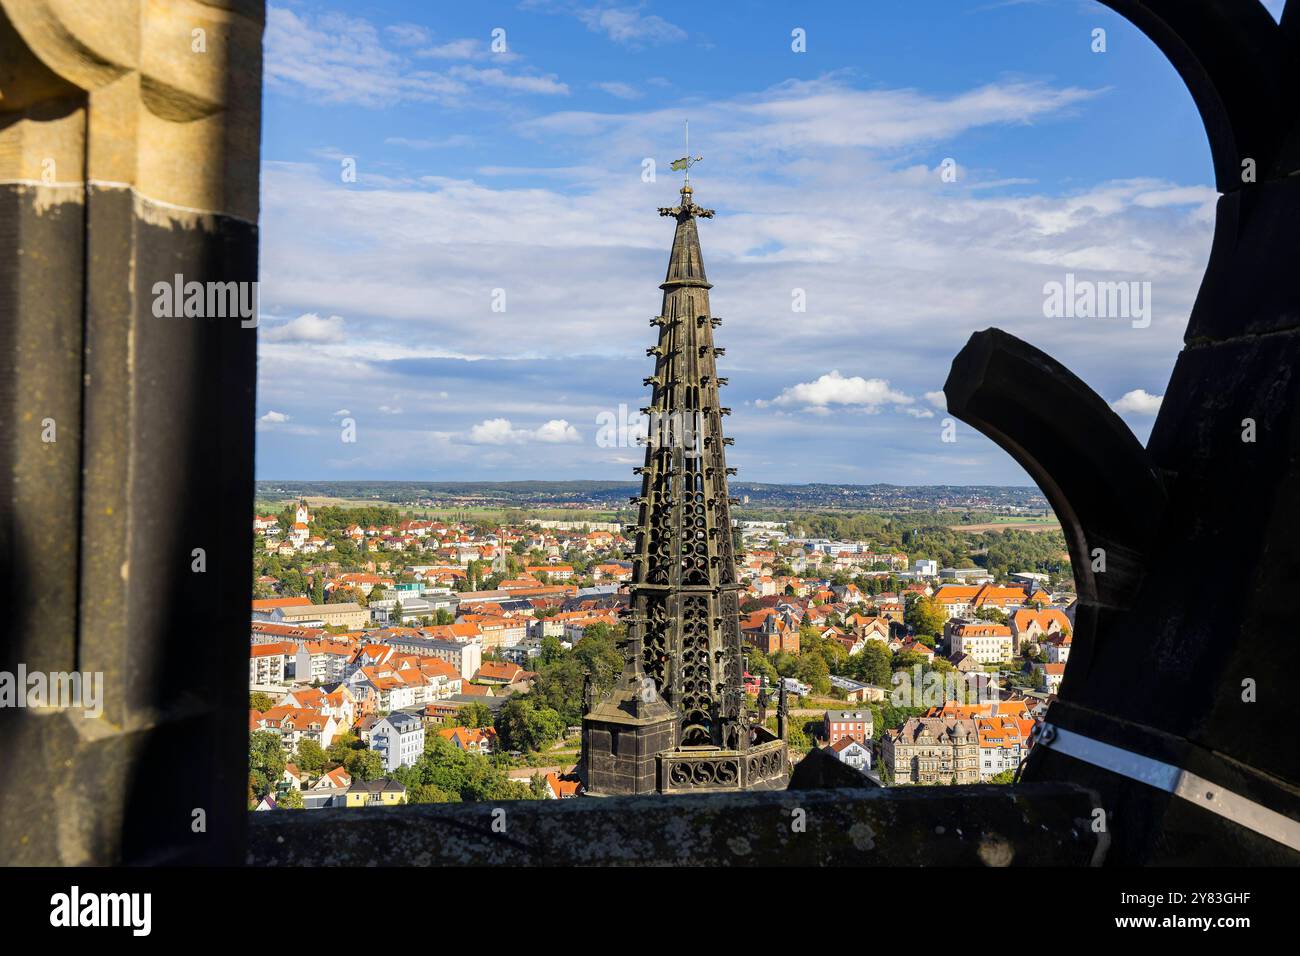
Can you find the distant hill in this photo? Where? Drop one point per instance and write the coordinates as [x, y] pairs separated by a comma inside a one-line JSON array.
[[614, 494]]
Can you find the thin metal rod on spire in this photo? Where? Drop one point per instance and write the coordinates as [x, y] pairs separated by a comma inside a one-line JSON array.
[[686, 162]]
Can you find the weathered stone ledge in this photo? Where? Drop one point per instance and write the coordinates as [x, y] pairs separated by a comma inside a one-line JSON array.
[[1025, 825]]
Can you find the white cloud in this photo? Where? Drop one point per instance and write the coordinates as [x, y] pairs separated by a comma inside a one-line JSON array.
[[1137, 402], [624, 91], [407, 34], [500, 79], [455, 50], [937, 399], [629, 26], [557, 431], [835, 389], [443, 142], [274, 418], [499, 431], [899, 269], [308, 327], [335, 58], [805, 116], [493, 431]]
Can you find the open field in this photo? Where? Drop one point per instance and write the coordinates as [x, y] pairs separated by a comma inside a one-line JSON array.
[[317, 501], [1018, 524]]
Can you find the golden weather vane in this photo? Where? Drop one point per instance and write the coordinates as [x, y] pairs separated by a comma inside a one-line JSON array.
[[686, 162]]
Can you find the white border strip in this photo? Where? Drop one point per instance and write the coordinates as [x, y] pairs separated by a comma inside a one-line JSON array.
[[1181, 783]]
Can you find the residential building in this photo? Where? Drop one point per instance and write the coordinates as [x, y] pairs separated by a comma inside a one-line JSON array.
[[1031, 627], [869, 628], [337, 703], [856, 692], [345, 614], [553, 572], [932, 750], [336, 779], [396, 610], [853, 724], [983, 641], [562, 786], [958, 600], [1057, 647], [267, 664], [612, 572], [1050, 677], [471, 739], [890, 610], [295, 724], [398, 739], [852, 752], [497, 631], [383, 792], [1003, 741], [263, 607], [1018, 709], [323, 662], [263, 632], [462, 648], [494, 672]]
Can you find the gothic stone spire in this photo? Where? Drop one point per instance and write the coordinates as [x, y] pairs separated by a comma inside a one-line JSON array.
[[686, 613], [675, 721]]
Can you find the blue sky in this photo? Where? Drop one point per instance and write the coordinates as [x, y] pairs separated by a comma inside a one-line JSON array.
[[522, 170]]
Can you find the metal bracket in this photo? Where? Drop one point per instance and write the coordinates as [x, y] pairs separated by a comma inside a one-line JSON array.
[[1171, 779]]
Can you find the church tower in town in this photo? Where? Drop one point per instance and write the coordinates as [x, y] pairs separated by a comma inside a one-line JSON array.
[[676, 720]]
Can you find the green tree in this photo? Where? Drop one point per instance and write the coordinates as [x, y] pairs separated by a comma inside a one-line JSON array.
[[598, 654], [266, 757], [258, 787], [289, 800], [813, 670], [311, 757], [785, 663], [474, 714], [260, 701], [452, 775], [342, 748], [537, 786], [524, 726], [364, 765], [871, 664], [552, 650], [761, 667], [924, 616], [427, 793]]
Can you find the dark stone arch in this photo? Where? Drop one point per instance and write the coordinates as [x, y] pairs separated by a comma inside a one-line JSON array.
[[1238, 65], [1203, 521]]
